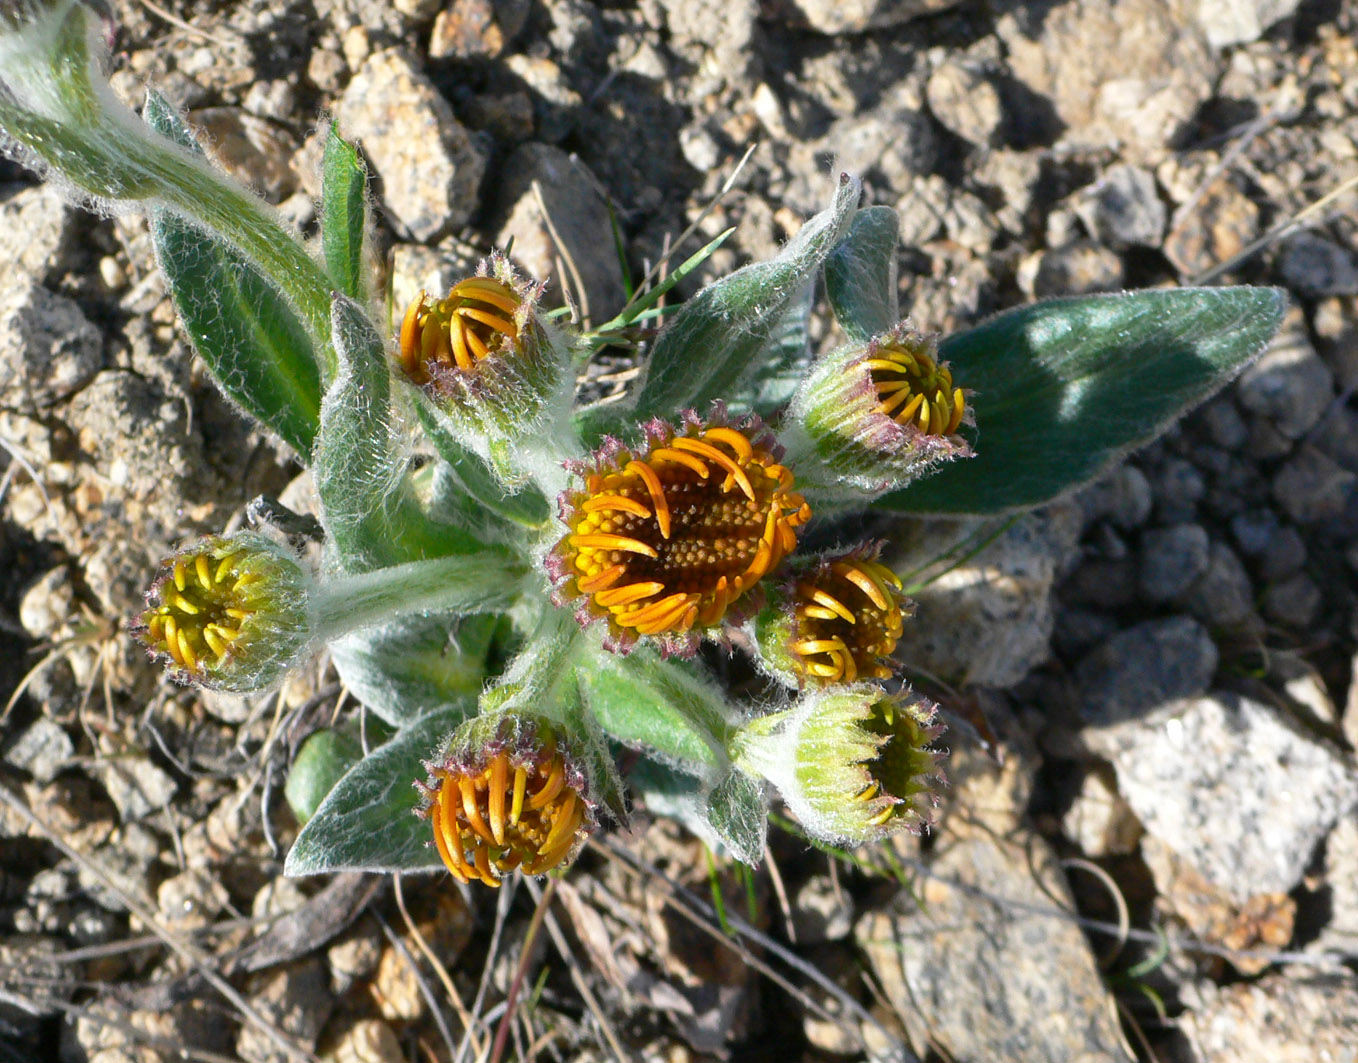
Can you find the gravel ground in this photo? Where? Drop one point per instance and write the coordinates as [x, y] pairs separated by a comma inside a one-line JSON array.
[[1151, 683]]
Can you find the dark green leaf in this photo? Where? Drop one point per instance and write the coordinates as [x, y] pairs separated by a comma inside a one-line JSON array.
[[716, 336], [1062, 389], [343, 214], [368, 821], [737, 812], [775, 376], [319, 764], [254, 345], [860, 275]]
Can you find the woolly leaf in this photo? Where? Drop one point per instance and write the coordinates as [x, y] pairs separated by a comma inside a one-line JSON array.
[[737, 813], [1062, 389], [860, 275], [344, 215]]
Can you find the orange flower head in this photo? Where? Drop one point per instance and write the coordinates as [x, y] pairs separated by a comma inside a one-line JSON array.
[[477, 318], [914, 389], [666, 540], [513, 803], [848, 614]]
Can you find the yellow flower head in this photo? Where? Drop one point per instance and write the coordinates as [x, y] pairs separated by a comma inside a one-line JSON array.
[[477, 318], [914, 389], [664, 541], [848, 615]]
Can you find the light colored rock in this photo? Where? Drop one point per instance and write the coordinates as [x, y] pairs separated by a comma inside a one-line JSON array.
[[36, 228], [1080, 268], [988, 621], [48, 350], [135, 785], [191, 899], [42, 750], [252, 149], [1228, 22], [822, 911], [1218, 227], [1279, 1019], [296, 1000], [855, 16], [1124, 209], [367, 1041], [1099, 820], [1240, 793], [428, 165], [993, 967], [966, 102]]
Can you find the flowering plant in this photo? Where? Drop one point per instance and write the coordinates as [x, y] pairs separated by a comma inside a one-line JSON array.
[[518, 584]]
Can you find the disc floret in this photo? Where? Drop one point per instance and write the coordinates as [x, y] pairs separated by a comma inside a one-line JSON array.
[[666, 539]]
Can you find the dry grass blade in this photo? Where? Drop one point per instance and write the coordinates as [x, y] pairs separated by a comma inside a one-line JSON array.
[[187, 952], [394, 940], [1119, 901], [464, 1016]]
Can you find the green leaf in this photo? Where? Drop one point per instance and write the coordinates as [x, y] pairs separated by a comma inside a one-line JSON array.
[[738, 814], [407, 668], [1062, 389], [319, 764], [253, 343], [658, 705], [344, 214], [775, 377], [368, 821], [717, 336], [370, 515], [860, 275]]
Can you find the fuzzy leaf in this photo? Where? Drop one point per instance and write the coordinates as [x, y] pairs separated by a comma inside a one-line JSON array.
[[775, 377], [344, 215], [739, 816], [409, 667], [717, 336], [370, 516], [319, 764], [860, 275], [368, 822], [1066, 387], [253, 343]]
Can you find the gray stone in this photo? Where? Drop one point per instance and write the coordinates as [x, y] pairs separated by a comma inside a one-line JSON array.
[[993, 967], [555, 101], [1254, 529], [1142, 668], [1336, 326], [1312, 487], [855, 16], [48, 350], [1221, 225], [1337, 436], [428, 165], [1081, 268], [1278, 1018], [1341, 878], [575, 210], [1290, 384], [725, 27], [988, 621], [1172, 559], [822, 910], [191, 899], [1099, 821], [1124, 209], [897, 141], [1228, 22], [297, 1000], [1315, 267], [1292, 602], [1224, 596], [135, 785], [966, 102], [1224, 424], [48, 606], [1121, 496], [1238, 792], [42, 750], [1178, 487], [466, 29], [36, 230], [127, 859], [1129, 75]]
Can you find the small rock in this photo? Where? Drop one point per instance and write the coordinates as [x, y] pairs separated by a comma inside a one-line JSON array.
[[1341, 876], [988, 621], [1217, 228], [275, 100], [354, 956], [555, 101], [507, 116], [1228, 22], [1099, 820], [42, 750], [1337, 437], [297, 1001], [48, 606], [1290, 384], [278, 897], [127, 859], [466, 29], [254, 151], [1293, 602], [1277, 1018], [992, 942], [1224, 596], [1142, 668], [1254, 529], [856, 16], [1314, 267], [1178, 487], [1312, 487], [821, 911], [1240, 793], [429, 167], [829, 1028], [1172, 559], [577, 213], [699, 147], [417, 10], [367, 1041], [48, 350], [1336, 326], [135, 785], [1081, 268], [1224, 424], [191, 899], [36, 230], [966, 102], [1121, 496], [1124, 209]]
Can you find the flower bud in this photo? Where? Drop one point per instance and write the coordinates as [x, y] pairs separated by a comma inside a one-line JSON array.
[[852, 763], [835, 620], [507, 794], [484, 354], [231, 613], [664, 541], [879, 416]]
